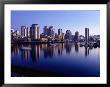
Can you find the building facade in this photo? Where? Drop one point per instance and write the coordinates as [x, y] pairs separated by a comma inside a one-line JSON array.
[[68, 35], [86, 34], [60, 34], [45, 29], [23, 31], [76, 37], [34, 32]]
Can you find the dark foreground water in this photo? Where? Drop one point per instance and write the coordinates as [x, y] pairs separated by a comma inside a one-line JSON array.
[[55, 60]]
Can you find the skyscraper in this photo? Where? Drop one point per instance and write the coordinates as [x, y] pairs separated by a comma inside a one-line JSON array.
[[68, 35], [56, 36], [50, 31], [27, 32], [59, 31], [23, 31], [76, 36], [45, 29], [86, 34], [63, 36], [34, 32], [60, 34]]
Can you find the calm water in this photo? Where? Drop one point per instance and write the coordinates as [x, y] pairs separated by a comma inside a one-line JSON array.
[[56, 60]]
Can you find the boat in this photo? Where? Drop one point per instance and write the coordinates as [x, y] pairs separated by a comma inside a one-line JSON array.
[[25, 48]]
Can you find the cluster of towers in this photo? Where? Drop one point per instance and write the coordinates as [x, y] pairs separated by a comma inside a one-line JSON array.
[[33, 32], [49, 33]]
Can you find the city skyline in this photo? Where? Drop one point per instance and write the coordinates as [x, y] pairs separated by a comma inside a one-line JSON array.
[[75, 20]]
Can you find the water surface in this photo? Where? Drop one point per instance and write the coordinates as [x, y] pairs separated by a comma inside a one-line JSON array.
[[62, 59]]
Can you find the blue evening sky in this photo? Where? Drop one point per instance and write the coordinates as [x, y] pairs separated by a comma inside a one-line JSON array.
[[73, 20]]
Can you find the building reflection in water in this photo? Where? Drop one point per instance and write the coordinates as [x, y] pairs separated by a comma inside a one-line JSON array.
[[60, 48], [68, 47], [86, 51], [43, 46], [15, 49], [35, 52], [25, 54], [48, 51], [76, 47]]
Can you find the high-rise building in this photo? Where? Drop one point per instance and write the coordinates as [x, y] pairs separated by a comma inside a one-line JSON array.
[[53, 33], [63, 36], [68, 35], [31, 33], [76, 37], [45, 29], [50, 31], [23, 31], [27, 32], [56, 36], [59, 31], [60, 34], [34, 32], [86, 34]]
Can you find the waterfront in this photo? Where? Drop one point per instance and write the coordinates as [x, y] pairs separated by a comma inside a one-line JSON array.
[[60, 59]]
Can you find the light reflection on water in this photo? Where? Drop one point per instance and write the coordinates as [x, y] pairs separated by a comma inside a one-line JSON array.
[[67, 59]]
